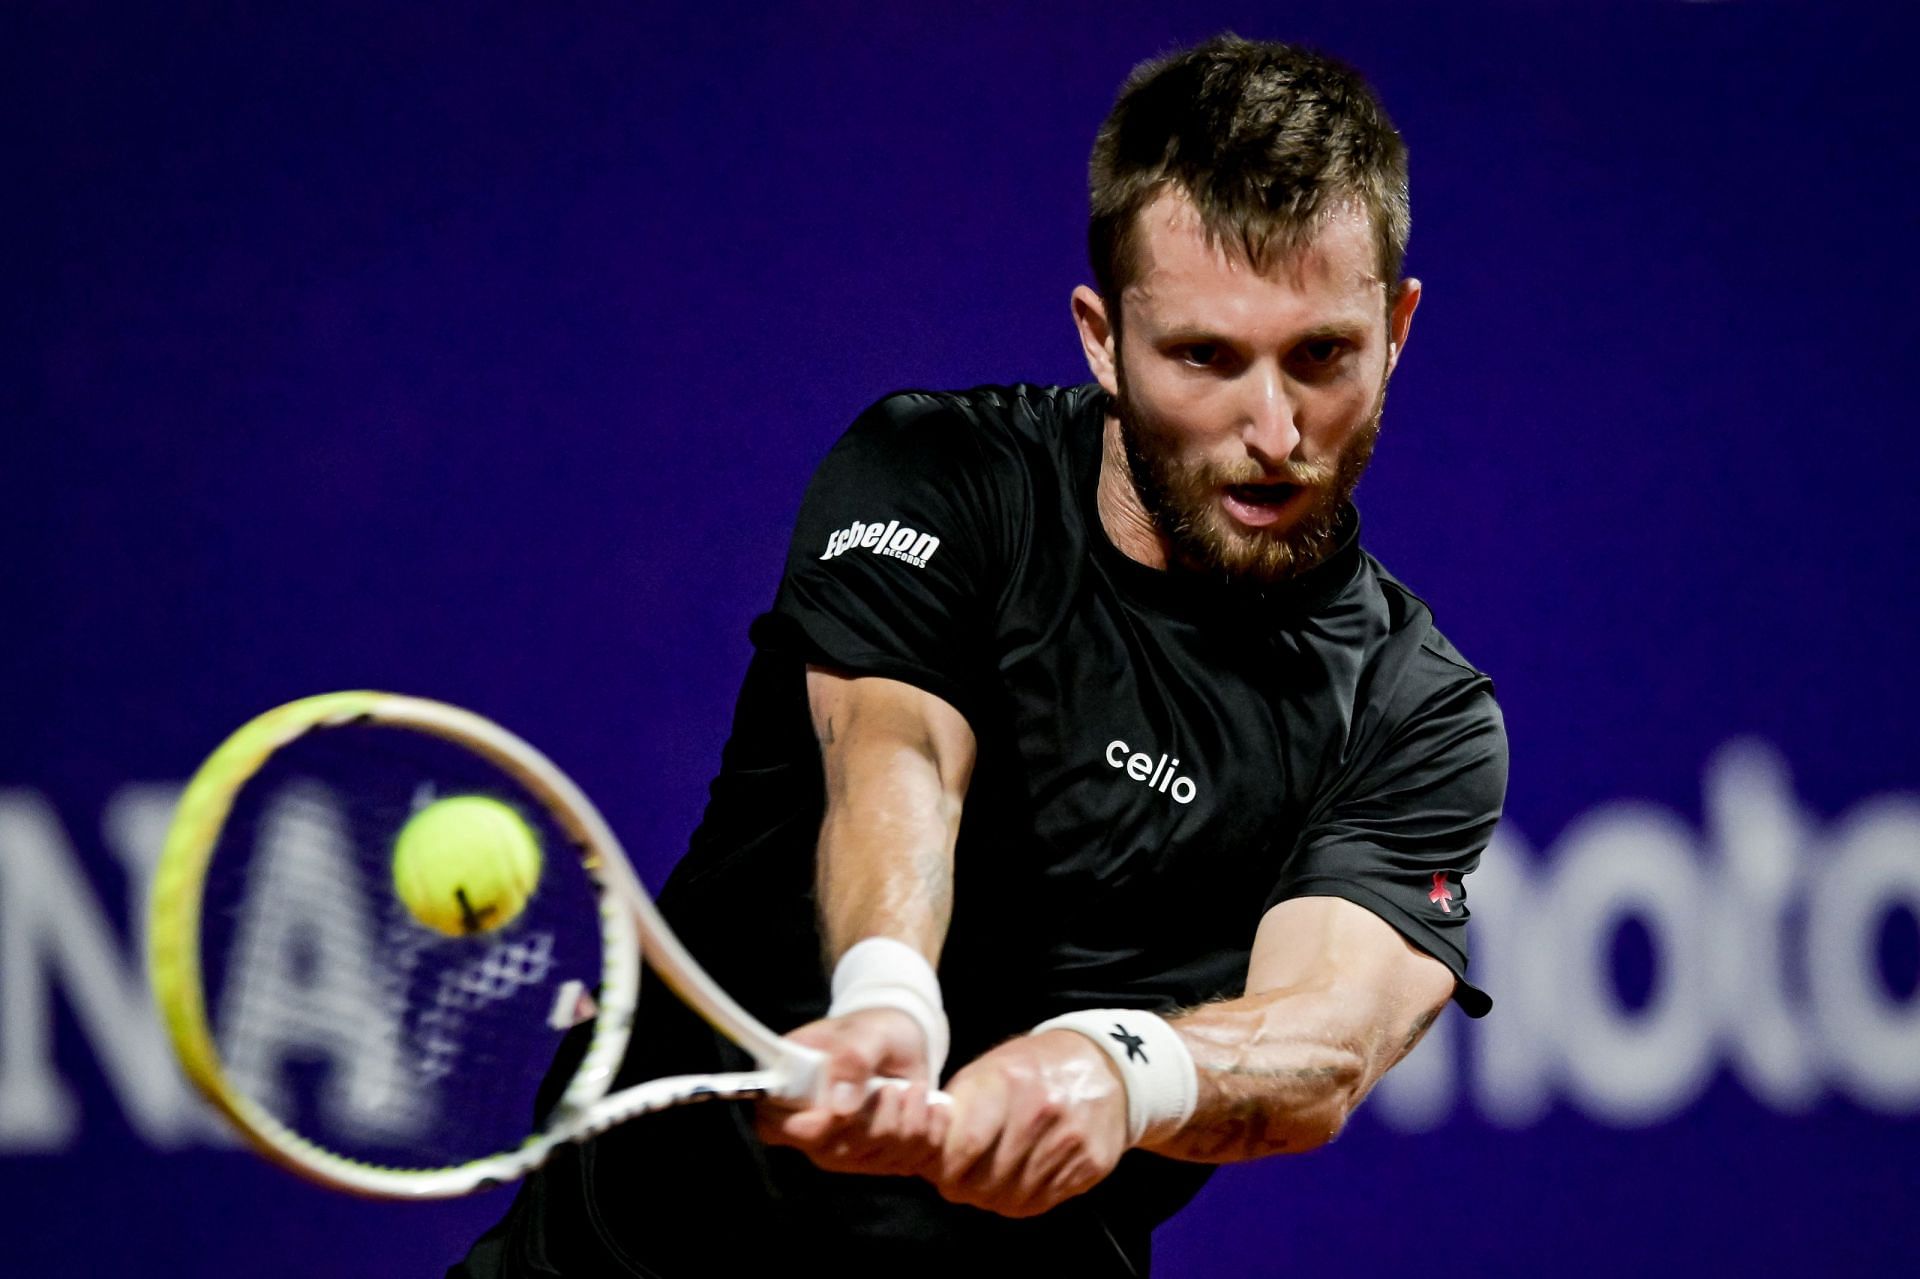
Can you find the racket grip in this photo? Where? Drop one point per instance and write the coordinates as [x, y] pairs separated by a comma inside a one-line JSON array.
[[798, 1079], [881, 1083]]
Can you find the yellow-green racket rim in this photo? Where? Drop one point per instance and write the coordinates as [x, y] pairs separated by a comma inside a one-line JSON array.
[[175, 910], [173, 960]]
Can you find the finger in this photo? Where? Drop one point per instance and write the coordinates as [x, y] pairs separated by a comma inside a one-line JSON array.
[[939, 1120], [844, 1095], [973, 1125], [964, 1186], [849, 1058], [843, 1083], [843, 1077], [865, 1137], [886, 1084], [893, 1136], [897, 1110], [888, 1042], [992, 1130], [804, 1128], [886, 1135], [1049, 1175], [926, 1118], [829, 1140], [1031, 1116]]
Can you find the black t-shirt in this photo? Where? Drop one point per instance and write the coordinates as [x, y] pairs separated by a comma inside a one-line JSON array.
[[1161, 757]]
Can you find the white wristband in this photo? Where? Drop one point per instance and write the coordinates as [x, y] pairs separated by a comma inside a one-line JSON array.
[[1163, 1086], [883, 973]]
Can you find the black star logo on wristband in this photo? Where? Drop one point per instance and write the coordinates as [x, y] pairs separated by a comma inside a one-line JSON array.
[[1136, 1046]]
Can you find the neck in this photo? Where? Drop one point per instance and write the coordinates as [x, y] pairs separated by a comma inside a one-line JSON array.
[[1122, 514]]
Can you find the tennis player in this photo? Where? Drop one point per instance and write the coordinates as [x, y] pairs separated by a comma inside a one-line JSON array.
[[1086, 765]]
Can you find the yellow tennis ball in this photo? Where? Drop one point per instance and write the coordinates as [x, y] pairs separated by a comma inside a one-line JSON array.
[[466, 864]]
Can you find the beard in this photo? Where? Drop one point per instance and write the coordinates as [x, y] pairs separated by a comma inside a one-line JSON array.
[[1182, 496]]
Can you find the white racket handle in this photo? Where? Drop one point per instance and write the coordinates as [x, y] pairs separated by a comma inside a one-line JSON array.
[[795, 1078], [934, 1096]]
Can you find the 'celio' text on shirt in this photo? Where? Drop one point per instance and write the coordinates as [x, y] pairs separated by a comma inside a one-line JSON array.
[[1161, 774]]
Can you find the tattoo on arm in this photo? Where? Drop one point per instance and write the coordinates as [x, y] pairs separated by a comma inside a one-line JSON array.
[[1251, 1127], [1245, 1133], [826, 733]]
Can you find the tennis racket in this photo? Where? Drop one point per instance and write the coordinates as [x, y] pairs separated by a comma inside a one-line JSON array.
[[362, 1049]]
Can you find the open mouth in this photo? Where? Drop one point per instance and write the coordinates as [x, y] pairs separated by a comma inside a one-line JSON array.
[[1263, 494], [1259, 504]]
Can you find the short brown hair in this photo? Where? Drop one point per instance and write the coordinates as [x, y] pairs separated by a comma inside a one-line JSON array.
[[1263, 138]]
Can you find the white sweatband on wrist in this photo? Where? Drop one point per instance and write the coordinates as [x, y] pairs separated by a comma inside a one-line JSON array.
[[883, 973], [1163, 1085]]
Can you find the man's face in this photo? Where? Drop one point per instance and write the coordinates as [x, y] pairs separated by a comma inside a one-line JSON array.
[[1249, 402]]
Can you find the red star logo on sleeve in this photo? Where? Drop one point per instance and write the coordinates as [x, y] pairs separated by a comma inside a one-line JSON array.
[[1441, 893]]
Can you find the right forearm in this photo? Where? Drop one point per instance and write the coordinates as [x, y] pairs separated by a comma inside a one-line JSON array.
[[897, 762], [885, 865]]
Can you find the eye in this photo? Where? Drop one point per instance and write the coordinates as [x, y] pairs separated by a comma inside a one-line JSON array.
[[1200, 355], [1320, 358]]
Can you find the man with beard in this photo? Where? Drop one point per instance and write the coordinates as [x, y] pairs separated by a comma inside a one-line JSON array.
[[1084, 752]]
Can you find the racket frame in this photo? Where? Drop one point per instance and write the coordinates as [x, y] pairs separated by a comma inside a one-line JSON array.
[[632, 929]]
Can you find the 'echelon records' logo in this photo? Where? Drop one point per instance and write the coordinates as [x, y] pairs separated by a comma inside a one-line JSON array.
[[889, 539]]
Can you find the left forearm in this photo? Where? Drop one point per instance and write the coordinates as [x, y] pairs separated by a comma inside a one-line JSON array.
[[1281, 1071], [1335, 996]]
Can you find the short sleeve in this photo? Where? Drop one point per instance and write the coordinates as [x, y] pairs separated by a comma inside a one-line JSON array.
[[899, 552], [1404, 834]]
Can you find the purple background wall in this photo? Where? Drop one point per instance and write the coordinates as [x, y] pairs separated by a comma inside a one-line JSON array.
[[484, 357]]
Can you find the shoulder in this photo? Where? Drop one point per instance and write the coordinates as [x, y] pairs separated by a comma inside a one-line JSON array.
[[992, 449], [967, 467], [984, 420], [1410, 621], [1431, 678]]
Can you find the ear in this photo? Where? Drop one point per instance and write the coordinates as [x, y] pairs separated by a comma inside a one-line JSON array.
[[1400, 320], [1096, 336]]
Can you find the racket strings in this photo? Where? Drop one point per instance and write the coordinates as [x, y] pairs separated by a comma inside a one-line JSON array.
[[335, 1011], [306, 978]]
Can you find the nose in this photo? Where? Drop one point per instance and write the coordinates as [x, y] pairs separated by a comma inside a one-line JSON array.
[[1268, 428]]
